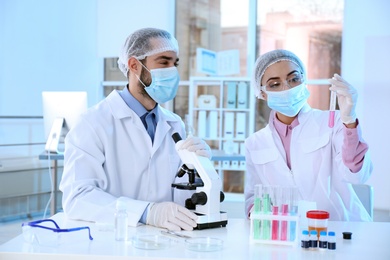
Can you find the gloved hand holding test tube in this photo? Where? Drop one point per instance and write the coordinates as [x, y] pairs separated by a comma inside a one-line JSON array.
[[332, 108]]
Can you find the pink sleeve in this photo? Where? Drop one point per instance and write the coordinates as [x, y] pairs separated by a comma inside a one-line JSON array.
[[353, 149]]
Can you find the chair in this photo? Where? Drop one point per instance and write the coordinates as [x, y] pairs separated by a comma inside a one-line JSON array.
[[366, 195]]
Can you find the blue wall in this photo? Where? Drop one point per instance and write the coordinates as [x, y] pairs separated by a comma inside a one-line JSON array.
[[47, 45], [53, 45]]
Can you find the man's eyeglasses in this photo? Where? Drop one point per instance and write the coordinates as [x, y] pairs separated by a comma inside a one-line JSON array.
[[39, 232], [292, 80]]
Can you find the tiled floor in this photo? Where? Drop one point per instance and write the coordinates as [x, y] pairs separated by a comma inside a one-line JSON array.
[[12, 229]]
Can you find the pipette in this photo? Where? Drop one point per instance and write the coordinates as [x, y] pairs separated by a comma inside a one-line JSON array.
[[332, 108]]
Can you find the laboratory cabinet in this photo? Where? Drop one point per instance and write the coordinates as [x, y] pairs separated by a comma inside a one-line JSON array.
[[222, 111]]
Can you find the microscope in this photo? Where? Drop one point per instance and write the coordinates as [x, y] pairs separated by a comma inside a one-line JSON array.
[[205, 202]]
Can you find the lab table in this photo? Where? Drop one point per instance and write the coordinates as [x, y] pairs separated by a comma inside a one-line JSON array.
[[370, 240]]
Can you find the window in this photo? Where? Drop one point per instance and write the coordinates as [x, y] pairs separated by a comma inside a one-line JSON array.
[[311, 29]]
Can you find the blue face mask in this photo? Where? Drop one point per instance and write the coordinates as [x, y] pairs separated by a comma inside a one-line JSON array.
[[288, 102], [165, 83]]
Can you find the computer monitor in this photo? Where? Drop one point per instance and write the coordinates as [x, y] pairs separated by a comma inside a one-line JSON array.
[[60, 112]]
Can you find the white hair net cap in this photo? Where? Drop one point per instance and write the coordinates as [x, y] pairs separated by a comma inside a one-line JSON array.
[[146, 42], [266, 60]]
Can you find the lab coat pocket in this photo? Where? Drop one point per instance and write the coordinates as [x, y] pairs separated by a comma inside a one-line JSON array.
[[310, 145], [264, 156]]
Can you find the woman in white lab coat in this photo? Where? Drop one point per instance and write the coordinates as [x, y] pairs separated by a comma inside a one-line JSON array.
[[114, 153], [299, 148]]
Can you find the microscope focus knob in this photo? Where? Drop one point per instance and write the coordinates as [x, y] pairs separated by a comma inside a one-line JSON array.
[[199, 198], [222, 196]]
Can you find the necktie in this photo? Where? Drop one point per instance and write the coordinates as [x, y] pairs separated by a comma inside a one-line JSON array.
[[149, 119]]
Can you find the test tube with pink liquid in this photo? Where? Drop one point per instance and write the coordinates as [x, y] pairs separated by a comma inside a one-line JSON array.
[[284, 211], [276, 198], [332, 108]]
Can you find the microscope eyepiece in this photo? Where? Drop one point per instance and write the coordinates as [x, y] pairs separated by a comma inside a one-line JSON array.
[[176, 137]]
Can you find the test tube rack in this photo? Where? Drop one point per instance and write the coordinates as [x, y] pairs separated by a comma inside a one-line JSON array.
[[261, 229]]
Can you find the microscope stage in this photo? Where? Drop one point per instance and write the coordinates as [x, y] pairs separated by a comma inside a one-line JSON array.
[[205, 222]]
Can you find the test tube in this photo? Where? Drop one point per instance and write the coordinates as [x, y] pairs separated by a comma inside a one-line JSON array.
[[257, 200], [332, 108], [285, 208], [266, 210], [257, 209], [276, 205], [293, 211]]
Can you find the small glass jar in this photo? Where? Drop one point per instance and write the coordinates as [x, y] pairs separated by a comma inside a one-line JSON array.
[[318, 220], [331, 240]]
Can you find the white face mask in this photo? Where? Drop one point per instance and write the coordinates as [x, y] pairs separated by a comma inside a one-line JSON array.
[[165, 83], [288, 102]]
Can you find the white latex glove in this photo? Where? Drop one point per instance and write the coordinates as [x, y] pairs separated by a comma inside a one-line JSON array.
[[171, 216], [197, 145], [347, 98]]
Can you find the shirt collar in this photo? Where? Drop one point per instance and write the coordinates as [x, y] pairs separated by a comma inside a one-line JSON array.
[[282, 128], [135, 105]]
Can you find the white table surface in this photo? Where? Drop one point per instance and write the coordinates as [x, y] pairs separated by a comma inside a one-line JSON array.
[[370, 240]]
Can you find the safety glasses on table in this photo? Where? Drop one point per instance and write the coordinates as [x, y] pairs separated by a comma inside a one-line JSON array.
[[39, 232]]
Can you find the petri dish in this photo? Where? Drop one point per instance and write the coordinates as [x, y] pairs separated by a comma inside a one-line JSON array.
[[204, 244], [151, 242]]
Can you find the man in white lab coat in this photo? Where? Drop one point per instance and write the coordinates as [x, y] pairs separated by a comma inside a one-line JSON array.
[[122, 148], [298, 147]]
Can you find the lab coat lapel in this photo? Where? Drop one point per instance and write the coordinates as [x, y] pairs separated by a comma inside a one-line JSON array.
[[163, 127], [161, 132], [128, 117]]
